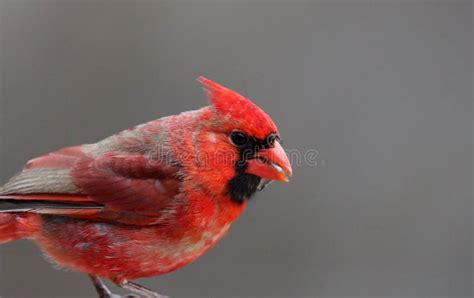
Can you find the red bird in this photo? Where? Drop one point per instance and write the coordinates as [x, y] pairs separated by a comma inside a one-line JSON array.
[[150, 199]]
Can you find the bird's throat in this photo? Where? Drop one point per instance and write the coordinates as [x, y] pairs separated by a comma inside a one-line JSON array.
[[243, 186]]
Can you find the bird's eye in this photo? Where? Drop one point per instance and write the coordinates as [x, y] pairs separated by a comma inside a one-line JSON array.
[[270, 141], [239, 138]]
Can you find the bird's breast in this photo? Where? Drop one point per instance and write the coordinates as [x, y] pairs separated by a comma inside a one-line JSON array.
[[126, 252]]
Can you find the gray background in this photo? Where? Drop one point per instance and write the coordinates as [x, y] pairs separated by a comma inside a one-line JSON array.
[[382, 89]]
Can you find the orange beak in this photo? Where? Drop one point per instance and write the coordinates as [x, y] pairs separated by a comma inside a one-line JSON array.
[[271, 163]]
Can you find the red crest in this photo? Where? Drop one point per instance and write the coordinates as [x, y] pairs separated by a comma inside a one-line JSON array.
[[249, 117]]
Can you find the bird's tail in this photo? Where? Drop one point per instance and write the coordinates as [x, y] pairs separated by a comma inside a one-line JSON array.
[[15, 226]]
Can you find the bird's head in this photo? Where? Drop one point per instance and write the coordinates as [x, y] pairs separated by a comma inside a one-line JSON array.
[[239, 144]]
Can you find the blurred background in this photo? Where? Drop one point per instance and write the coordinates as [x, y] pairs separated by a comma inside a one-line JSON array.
[[381, 89]]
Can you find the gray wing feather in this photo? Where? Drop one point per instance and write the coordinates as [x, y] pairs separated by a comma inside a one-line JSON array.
[[40, 181], [7, 205]]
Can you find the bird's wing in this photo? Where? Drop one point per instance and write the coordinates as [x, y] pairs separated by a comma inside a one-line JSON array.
[[126, 186]]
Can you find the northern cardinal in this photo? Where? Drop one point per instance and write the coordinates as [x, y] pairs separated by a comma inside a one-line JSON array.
[[150, 199]]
